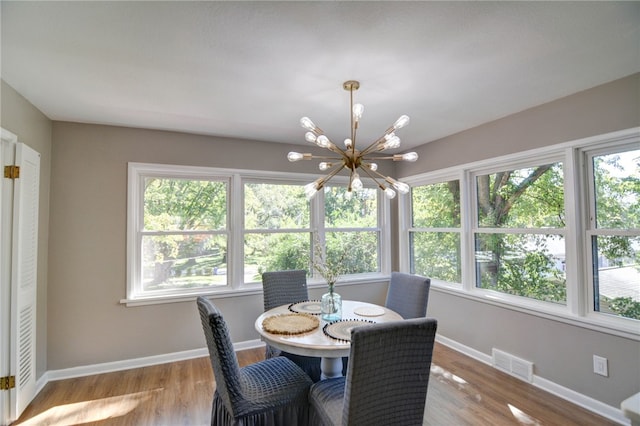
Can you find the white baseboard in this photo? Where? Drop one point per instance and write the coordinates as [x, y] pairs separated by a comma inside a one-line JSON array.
[[108, 367], [588, 403]]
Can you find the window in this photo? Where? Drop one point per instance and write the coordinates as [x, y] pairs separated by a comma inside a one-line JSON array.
[[614, 231], [277, 228], [518, 242], [180, 242], [553, 231], [434, 236], [351, 228], [199, 230]]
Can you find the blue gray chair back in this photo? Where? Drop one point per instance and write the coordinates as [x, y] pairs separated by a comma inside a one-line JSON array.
[[223, 358], [408, 295], [281, 287], [387, 378], [266, 393]]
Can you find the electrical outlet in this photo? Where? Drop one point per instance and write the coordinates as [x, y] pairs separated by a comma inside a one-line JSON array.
[[600, 366]]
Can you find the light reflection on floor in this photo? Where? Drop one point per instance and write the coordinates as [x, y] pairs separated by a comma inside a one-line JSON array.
[[91, 411], [448, 378], [522, 417]]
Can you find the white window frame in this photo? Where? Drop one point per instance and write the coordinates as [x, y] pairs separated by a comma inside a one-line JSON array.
[[578, 309], [235, 228], [384, 264], [408, 228], [586, 156], [496, 167], [245, 231]]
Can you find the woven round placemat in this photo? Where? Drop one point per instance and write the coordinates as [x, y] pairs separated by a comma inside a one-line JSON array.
[[312, 307], [341, 330], [290, 324]]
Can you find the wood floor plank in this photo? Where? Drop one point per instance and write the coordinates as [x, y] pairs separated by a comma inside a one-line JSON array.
[[462, 391]]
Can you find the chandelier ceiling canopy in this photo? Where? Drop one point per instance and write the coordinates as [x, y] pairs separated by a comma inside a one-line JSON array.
[[351, 158]]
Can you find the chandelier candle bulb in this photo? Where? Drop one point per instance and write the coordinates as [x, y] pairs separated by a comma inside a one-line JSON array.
[[310, 137], [296, 156], [401, 122], [357, 183], [308, 124], [389, 193], [323, 141], [409, 156]]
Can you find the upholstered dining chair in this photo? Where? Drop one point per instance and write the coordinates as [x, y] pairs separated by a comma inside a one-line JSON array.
[[408, 295], [387, 378], [267, 393], [280, 288]]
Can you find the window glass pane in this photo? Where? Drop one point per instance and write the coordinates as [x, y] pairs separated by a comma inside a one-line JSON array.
[[616, 272], [436, 205], [525, 265], [184, 204], [173, 262], [275, 206], [356, 251], [275, 252], [345, 209], [524, 198], [436, 255], [617, 190]]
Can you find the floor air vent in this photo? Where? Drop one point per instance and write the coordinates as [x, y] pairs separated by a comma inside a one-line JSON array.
[[515, 366]]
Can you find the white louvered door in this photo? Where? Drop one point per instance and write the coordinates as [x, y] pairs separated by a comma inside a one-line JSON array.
[[24, 277], [20, 223]]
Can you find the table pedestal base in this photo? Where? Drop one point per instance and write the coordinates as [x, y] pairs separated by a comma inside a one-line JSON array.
[[331, 367]]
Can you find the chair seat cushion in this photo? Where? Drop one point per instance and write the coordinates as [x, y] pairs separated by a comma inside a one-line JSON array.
[[273, 382], [326, 399]]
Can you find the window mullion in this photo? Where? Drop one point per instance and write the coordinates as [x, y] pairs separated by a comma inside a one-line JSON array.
[[574, 203], [236, 234], [468, 221]]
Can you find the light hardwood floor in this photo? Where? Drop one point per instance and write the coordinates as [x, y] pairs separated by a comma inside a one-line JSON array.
[[462, 391]]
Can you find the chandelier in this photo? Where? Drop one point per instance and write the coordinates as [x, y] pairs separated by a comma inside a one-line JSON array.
[[351, 158]]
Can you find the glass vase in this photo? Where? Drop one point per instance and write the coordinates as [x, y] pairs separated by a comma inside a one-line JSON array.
[[331, 306]]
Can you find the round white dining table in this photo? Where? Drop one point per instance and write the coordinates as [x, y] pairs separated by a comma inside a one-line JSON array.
[[316, 343]]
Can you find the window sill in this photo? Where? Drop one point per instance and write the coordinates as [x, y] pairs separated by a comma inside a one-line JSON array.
[[188, 297], [247, 290], [626, 328]]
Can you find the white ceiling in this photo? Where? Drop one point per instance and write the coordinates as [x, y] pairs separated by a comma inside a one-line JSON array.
[[252, 69]]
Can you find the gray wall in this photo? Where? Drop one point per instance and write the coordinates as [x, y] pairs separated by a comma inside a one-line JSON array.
[[561, 353], [33, 128]]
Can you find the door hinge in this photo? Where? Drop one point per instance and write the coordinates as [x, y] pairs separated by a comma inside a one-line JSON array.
[[12, 172], [7, 382]]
